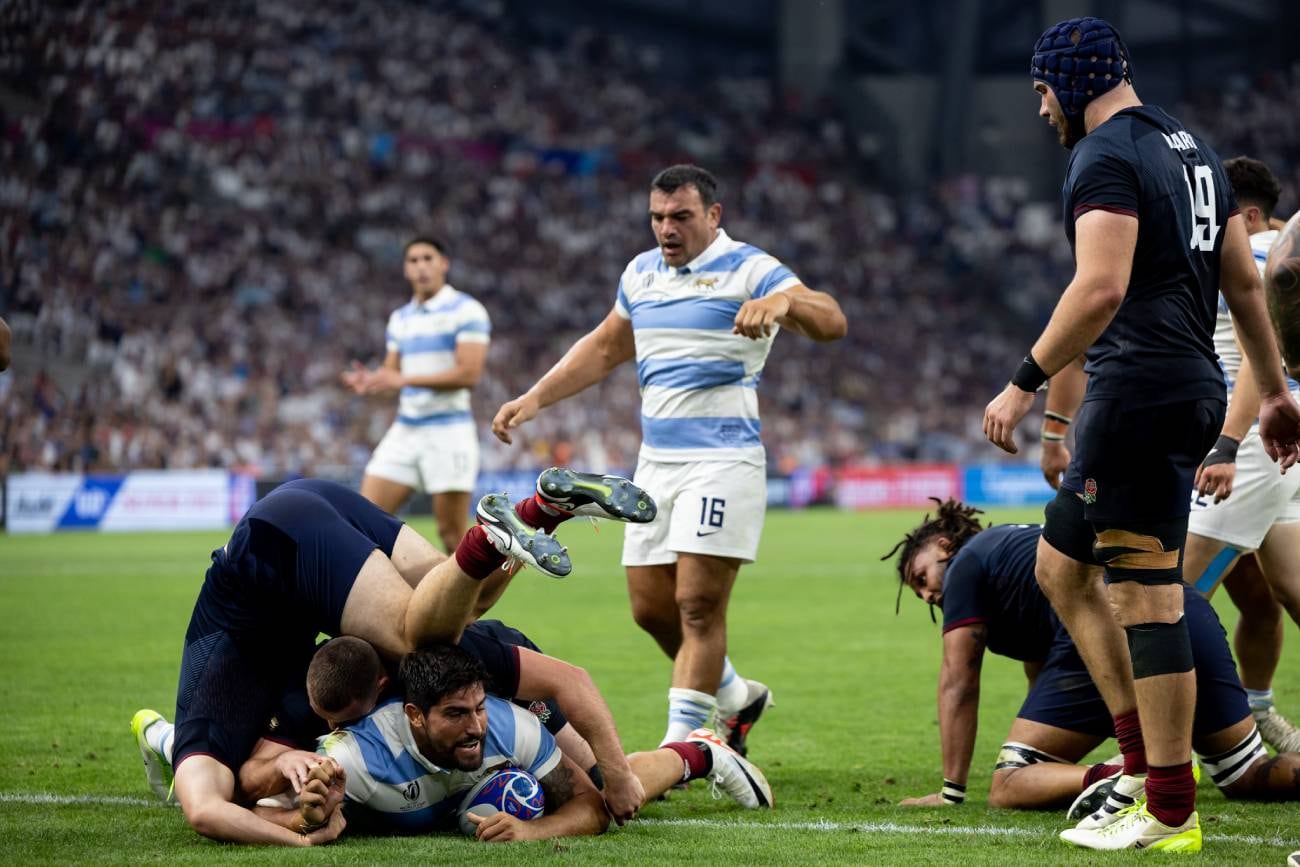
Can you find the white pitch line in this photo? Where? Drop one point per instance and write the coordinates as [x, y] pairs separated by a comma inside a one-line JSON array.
[[820, 825], [825, 825]]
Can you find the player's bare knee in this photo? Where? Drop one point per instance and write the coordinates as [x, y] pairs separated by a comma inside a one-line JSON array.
[[700, 612], [1001, 792], [656, 619]]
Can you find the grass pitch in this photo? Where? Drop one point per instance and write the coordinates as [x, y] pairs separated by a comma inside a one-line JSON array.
[[92, 628]]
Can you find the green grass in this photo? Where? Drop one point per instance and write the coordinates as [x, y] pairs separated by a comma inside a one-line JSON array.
[[92, 628]]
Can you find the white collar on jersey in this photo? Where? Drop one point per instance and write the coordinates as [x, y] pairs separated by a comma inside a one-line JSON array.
[[711, 252], [437, 298]]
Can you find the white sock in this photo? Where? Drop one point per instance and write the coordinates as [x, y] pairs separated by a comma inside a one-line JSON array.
[[687, 710], [732, 691], [159, 736]]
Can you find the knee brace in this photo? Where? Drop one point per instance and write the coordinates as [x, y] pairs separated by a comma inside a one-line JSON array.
[[1160, 648], [1147, 555], [1226, 768]]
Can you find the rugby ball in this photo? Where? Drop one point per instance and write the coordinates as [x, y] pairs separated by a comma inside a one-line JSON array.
[[510, 789]]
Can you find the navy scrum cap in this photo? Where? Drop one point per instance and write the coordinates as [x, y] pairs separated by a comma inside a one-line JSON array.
[[1080, 60]]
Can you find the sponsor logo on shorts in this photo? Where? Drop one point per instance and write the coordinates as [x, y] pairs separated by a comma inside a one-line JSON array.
[[1090, 491], [412, 790]]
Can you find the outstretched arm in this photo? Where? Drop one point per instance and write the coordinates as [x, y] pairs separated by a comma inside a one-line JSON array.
[[542, 676], [959, 705], [205, 788], [589, 361]]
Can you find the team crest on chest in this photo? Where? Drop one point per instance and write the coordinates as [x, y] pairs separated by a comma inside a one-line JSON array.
[[1090, 491], [706, 284]]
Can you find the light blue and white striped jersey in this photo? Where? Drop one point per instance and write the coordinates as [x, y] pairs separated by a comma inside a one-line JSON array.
[[387, 774], [1225, 335], [425, 336], [699, 381]]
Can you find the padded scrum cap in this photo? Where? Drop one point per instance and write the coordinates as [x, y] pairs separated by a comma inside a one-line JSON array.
[[1080, 59]]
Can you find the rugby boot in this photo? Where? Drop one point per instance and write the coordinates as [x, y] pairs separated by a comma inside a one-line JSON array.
[[518, 541], [1109, 798], [1136, 828], [733, 773], [592, 495], [157, 770], [735, 728], [1277, 731]]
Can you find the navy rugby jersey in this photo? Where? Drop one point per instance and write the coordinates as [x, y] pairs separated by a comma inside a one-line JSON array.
[[1159, 348], [991, 581]]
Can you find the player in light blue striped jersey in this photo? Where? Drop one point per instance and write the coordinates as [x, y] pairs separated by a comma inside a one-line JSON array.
[[437, 345], [698, 313]]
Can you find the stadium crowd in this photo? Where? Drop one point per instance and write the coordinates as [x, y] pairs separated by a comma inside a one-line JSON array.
[[206, 212]]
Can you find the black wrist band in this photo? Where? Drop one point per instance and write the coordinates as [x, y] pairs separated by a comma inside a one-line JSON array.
[[1029, 376], [1224, 451]]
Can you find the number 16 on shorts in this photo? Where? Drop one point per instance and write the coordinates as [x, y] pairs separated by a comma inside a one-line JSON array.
[[711, 515]]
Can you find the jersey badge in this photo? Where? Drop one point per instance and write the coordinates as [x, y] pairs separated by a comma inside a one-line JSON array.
[[1090, 491]]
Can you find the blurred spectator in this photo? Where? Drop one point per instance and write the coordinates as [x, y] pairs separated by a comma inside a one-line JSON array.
[[203, 223]]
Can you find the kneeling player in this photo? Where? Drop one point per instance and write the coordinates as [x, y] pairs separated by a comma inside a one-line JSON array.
[[315, 557], [408, 763], [984, 581]]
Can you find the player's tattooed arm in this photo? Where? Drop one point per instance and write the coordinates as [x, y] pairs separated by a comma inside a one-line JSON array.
[[573, 808], [1282, 287]]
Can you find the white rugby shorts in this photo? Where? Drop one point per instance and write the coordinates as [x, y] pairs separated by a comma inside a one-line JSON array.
[[706, 507], [431, 459], [1261, 497]]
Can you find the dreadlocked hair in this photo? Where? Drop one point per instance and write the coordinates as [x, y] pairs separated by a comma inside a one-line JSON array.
[[954, 521]]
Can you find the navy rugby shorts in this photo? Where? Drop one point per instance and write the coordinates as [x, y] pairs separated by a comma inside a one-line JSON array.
[[1065, 697]]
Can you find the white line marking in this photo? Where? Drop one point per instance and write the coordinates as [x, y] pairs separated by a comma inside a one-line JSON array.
[[820, 825], [70, 800], [950, 830]]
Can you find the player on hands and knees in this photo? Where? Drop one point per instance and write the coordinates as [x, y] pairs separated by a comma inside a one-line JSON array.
[[983, 579], [699, 314], [437, 346], [1142, 307], [1244, 512]]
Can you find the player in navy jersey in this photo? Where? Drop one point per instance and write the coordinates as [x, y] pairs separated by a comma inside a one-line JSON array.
[[312, 557], [983, 578], [1156, 236], [1244, 527]]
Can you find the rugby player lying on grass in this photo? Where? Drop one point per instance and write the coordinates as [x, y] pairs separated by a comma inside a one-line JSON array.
[[410, 761], [347, 679], [314, 557], [984, 581]]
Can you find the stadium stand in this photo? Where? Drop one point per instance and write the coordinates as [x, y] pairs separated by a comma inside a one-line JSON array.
[[221, 235]]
